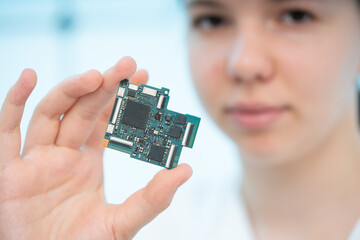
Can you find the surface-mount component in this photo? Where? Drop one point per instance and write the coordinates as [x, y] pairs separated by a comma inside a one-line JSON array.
[[136, 114], [141, 125]]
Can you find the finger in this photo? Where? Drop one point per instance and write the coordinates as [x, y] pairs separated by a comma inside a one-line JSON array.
[[147, 203], [11, 114], [140, 77], [44, 125], [79, 122]]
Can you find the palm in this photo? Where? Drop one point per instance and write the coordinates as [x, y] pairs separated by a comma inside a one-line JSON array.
[[61, 185], [55, 189]]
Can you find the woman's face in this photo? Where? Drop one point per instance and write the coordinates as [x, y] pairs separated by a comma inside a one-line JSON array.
[[278, 76]]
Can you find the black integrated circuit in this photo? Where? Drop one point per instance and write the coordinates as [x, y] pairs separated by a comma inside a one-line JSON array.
[[136, 114], [175, 132], [181, 119], [157, 153]]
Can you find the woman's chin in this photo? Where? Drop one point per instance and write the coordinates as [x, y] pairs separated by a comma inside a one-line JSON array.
[[264, 153]]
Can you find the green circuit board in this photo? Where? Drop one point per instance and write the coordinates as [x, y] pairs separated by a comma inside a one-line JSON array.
[[141, 125]]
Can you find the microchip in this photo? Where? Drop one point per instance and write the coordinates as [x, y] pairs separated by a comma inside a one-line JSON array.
[[175, 132], [136, 114], [158, 116], [156, 153], [141, 126], [168, 118], [181, 119], [131, 93]]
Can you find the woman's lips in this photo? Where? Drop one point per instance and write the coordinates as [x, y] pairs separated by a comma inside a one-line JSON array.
[[255, 116]]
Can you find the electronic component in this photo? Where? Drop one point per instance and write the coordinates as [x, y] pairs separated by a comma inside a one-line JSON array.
[[158, 116], [181, 119], [141, 125], [168, 118], [136, 114], [156, 153], [132, 93], [175, 132]]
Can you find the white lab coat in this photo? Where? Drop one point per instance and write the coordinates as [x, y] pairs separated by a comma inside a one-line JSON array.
[[209, 211]]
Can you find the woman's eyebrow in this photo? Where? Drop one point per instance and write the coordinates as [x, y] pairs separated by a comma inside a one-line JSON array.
[[206, 3], [284, 1], [218, 4]]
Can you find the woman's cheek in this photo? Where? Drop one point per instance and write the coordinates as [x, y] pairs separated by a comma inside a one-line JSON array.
[[207, 66], [319, 81], [318, 88]]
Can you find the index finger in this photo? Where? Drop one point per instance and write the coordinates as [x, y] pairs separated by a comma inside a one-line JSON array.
[[11, 114], [44, 125]]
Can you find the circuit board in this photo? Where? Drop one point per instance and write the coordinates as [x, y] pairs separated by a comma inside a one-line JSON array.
[[141, 125]]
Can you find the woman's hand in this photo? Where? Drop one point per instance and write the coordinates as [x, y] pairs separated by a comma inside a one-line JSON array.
[[54, 188]]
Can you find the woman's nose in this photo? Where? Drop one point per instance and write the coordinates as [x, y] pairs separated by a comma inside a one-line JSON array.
[[249, 60]]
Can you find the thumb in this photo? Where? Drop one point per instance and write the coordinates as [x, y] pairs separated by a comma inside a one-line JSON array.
[[144, 205]]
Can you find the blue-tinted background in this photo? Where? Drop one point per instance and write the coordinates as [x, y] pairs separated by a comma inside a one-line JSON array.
[[62, 38]]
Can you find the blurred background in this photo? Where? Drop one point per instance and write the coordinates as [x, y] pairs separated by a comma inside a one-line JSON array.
[[59, 38]]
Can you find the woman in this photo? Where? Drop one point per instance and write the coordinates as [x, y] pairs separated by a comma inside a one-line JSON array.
[[279, 77]]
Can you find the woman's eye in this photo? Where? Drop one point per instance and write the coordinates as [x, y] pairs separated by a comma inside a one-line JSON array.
[[296, 17], [208, 22]]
